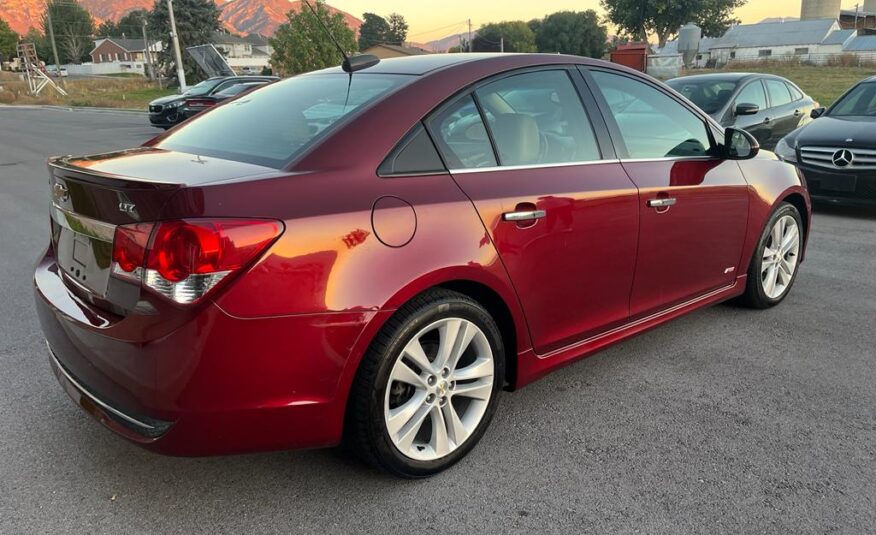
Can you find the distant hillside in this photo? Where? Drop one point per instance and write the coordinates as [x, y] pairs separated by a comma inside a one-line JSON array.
[[239, 16]]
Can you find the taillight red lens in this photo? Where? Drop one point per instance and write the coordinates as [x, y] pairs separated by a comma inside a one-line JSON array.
[[183, 248], [129, 245], [200, 103], [185, 259]]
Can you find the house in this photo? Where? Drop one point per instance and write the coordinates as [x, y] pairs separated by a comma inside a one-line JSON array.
[[704, 53], [384, 51], [244, 54], [111, 49]]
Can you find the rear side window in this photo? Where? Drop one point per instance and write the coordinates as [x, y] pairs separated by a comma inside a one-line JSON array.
[[277, 123], [652, 125], [795, 93], [538, 118], [779, 95], [462, 136], [415, 155], [753, 94]]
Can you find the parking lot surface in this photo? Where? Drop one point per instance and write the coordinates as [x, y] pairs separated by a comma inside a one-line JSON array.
[[725, 421]]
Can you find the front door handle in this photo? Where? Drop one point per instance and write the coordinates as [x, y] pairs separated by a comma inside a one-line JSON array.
[[524, 215], [663, 202], [766, 121]]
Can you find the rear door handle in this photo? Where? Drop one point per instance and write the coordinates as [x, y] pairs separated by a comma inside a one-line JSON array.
[[525, 215], [797, 113], [766, 120], [662, 202]]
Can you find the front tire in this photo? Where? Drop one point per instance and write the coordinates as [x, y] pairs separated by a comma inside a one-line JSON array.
[[776, 260], [428, 386]]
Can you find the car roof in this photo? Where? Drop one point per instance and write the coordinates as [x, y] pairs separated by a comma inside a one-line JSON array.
[[728, 76], [428, 63]]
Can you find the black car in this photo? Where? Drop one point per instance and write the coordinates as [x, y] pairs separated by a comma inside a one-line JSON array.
[[769, 107], [164, 112], [837, 153], [195, 105]]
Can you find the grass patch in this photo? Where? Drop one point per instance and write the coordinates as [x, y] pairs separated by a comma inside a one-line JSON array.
[[127, 93], [823, 83]]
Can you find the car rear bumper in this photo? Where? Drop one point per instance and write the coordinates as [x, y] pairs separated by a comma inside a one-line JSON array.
[[216, 384]]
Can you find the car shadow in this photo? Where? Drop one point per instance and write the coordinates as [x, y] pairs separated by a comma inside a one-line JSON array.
[[857, 212]]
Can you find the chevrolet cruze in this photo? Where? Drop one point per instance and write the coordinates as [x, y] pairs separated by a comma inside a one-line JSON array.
[[370, 257]]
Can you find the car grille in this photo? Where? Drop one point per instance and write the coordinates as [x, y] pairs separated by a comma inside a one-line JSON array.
[[154, 109], [862, 159]]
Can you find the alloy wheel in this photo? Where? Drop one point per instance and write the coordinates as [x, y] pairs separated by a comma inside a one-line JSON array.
[[439, 389], [780, 257]]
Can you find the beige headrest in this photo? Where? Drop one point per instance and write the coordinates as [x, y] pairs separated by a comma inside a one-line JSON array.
[[517, 139]]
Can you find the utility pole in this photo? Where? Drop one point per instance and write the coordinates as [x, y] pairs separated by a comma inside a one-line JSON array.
[[470, 44], [54, 46], [180, 72], [148, 53], [502, 44]]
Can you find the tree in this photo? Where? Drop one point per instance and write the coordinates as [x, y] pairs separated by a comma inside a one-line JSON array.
[[8, 42], [41, 42], [73, 28], [196, 20], [638, 18], [398, 29], [569, 32], [131, 25], [517, 35], [373, 31], [301, 44], [107, 28]]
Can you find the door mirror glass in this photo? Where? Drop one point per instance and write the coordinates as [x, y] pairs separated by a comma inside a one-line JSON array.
[[817, 112], [740, 145], [747, 108]]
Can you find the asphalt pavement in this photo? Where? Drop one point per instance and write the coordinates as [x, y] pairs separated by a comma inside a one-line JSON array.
[[724, 421]]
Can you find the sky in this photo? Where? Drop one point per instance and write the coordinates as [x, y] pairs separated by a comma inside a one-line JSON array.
[[431, 19]]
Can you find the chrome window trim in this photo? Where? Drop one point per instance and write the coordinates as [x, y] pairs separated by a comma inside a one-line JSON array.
[[670, 159], [463, 170], [83, 225]]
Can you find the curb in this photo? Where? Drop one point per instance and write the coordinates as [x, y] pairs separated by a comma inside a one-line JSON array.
[[128, 111]]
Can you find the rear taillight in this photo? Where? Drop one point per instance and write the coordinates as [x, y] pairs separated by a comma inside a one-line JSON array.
[[183, 260]]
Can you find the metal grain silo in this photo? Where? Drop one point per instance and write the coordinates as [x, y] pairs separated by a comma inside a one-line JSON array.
[[689, 42], [820, 9]]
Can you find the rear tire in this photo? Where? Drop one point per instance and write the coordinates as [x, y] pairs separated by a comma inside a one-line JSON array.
[[428, 386], [774, 265]]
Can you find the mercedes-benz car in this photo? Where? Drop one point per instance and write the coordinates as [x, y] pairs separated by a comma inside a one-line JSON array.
[[769, 107], [371, 256], [837, 152]]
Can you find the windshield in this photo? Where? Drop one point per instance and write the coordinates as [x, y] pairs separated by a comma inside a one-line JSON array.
[[236, 89], [278, 122], [202, 88], [860, 101], [709, 95]]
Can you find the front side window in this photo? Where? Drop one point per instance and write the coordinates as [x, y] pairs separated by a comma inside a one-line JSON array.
[[274, 125], [652, 124], [753, 94], [462, 136], [779, 94], [538, 118]]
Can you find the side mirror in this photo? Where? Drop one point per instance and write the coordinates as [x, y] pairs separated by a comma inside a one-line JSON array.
[[817, 112], [740, 145], [746, 108]]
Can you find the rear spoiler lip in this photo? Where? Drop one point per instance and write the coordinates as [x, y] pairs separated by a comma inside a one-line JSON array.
[[64, 165]]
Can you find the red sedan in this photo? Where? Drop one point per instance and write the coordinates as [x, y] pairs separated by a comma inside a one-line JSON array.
[[371, 257]]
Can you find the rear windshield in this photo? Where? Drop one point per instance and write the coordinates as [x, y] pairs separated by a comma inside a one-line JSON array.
[[275, 124], [202, 88], [709, 95], [860, 101]]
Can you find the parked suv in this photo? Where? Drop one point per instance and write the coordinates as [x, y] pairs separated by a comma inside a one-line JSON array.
[[164, 112], [768, 107]]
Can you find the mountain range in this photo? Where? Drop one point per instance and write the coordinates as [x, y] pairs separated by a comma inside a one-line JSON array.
[[239, 16]]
